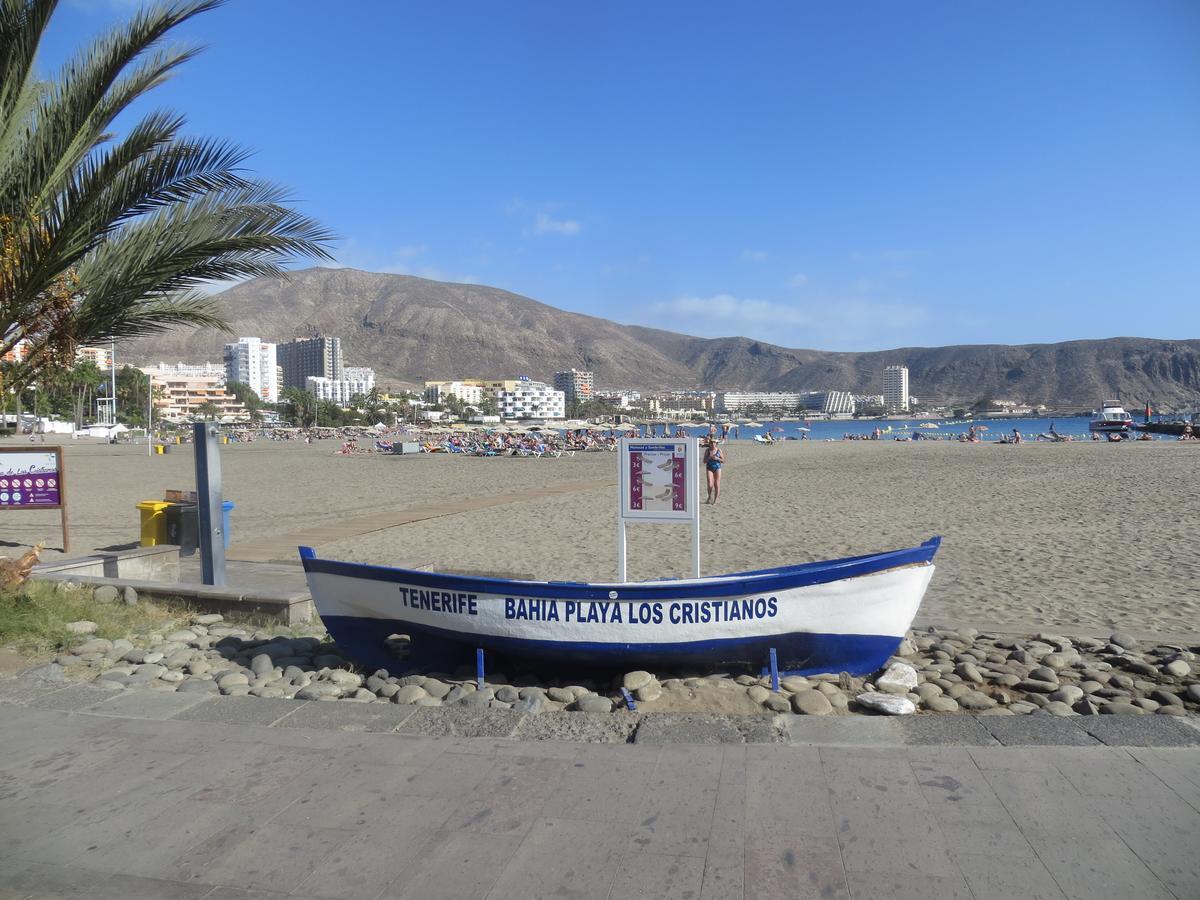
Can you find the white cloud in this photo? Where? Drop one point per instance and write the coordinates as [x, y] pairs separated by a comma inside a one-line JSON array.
[[544, 223], [835, 323], [798, 280], [754, 255]]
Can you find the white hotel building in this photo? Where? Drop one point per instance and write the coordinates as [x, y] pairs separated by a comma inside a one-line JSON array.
[[524, 399], [895, 388], [357, 380], [253, 361]]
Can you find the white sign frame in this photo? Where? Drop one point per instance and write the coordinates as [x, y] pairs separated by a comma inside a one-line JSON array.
[[683, 453]]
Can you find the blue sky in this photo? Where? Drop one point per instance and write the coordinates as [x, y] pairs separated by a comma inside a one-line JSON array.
[[841, 176]]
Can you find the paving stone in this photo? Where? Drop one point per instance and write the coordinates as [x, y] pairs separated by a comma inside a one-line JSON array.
[[1141, 731], [240, 710], [144, 704], [458, 865], [957, 731], [616, 728], [780, 865], [847, 731], [1038, 730], [446, 721], [649, 876], [995, 877], [907, 885], [687, 728], [76, 696], [346, 716], [20, 690]]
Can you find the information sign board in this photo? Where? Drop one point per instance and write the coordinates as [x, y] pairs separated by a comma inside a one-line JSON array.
[[34, 478], [659, 481], [655, 479]]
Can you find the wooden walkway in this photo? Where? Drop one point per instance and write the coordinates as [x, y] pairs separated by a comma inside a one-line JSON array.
[[282, 547]]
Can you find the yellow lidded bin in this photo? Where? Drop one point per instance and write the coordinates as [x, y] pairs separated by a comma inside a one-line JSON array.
[[154, 522]]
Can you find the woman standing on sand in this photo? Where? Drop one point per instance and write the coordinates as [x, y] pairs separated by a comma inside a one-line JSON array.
[[713, 458]]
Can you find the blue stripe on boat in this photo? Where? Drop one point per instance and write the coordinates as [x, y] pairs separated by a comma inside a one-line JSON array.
[[799, 653], [738, 584]]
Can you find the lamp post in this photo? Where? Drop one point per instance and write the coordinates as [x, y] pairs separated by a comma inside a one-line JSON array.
[[112, 369], [149, 414]]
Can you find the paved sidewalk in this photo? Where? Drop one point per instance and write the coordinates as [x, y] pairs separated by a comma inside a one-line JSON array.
[[163, 795]]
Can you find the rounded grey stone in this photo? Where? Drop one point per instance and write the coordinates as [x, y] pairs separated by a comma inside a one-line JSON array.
[[409, 694], [561, 695], [757, 693], [1177, 668], [942, 704], [648, 693], [506, 693], [811, 703], [1068, 694], [634, 680], [262, 664], [434, 688], [1123, 640], [230, 679], [106, 593], [593, 703], [130, 596], [968, 672], [976, 701], [1121, 709], [779, 703]]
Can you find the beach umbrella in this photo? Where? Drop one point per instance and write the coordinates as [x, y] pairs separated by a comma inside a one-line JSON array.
[[379, 426]]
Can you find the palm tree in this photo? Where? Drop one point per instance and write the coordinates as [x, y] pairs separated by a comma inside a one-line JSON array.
[[208, 410], [106, 237]]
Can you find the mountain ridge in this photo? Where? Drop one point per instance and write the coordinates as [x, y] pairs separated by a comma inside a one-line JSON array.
[[411, 329]]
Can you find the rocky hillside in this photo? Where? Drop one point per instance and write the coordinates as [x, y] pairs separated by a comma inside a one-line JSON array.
[[411, 329]]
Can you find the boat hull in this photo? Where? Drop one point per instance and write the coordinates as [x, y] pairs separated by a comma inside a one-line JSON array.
[[843, 615]]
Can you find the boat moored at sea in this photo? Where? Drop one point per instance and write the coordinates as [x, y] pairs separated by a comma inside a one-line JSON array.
[[1111, 418], [842, 615]]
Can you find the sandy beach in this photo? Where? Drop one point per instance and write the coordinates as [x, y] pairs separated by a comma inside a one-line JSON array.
[[1036, 536]]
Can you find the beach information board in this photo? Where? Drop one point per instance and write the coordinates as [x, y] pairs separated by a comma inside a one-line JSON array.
[[32, 478], [658, 481]]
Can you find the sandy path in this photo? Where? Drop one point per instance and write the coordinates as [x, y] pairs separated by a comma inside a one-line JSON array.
[[1094, 535]]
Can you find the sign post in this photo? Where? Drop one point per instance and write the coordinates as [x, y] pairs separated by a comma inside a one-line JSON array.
[[659, 482], [209, 504], [35, 478]]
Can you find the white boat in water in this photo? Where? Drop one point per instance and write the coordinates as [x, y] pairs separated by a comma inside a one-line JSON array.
[[843, 615], [1111, 418]]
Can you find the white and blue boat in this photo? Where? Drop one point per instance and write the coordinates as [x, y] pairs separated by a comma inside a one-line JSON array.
[[842, 615]]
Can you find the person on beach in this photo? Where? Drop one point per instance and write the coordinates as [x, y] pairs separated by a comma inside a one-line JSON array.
[[1016, 439], [713, 458]]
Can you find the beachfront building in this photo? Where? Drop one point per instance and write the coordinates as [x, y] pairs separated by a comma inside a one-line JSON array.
[[895, 389], [102, 357], [830, 403], [522, 398], [620, 399], [358, 383], [320, 357], [183, 392], [253, 361], [469, 392], [577, 386], [772, 401]]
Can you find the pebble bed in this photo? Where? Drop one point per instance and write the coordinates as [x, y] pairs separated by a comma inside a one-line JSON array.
[[941, 671]]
